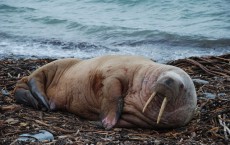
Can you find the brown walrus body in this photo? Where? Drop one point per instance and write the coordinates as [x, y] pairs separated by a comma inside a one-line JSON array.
[[113, 89]]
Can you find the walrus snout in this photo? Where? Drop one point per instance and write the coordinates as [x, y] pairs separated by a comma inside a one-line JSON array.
[[171, 84], [169, 90]]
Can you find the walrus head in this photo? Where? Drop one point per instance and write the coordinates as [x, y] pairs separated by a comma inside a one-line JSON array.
[[172, 100]]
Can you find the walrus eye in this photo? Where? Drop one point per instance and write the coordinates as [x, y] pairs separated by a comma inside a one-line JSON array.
[[161, 110], [149, 100]]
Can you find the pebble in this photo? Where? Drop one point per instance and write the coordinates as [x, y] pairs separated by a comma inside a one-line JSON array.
[[221, 94], [200, 82], [209, 95], [5, 92]]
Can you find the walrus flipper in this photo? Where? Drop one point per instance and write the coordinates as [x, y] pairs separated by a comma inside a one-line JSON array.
[[37, 89], [25, 97], [112, 103]]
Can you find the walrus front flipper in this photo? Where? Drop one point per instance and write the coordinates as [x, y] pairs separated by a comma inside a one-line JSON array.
[[37, 89], [112, 103]]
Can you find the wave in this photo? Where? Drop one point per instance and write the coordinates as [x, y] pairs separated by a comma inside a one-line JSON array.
[[7, 8], [121, 36], [83, 46], [131, 39], [113, 22], [27, 47], [179, 40], [47, 20], [122, 2], [60, 44]]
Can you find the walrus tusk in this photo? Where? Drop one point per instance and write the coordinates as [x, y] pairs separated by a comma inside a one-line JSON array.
[[148, 101], [161, 110]]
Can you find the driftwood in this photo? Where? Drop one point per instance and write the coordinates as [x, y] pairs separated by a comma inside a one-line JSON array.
[[211, 124]]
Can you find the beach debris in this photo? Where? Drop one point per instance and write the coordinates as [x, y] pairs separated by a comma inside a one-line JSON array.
[[9, 75], [40, 136], [199, 82], [209, 95], [221, 94], [13, 107], [226, 128], [5, 92], [11, 121], [23, 124]]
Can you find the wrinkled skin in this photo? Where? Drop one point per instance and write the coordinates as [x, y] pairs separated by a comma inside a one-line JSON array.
[[112, 89]]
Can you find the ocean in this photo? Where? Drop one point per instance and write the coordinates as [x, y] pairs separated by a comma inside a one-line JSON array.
[[161, 30]]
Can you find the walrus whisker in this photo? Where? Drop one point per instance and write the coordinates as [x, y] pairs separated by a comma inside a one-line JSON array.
[[148, 101], [161, 110]]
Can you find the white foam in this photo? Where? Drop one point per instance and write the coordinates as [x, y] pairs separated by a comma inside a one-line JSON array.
[[157, 53]]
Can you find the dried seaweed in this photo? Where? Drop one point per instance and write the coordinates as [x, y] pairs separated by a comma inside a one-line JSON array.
[[210, 125]]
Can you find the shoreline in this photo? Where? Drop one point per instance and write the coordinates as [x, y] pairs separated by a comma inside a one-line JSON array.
[[14, 57], [211, 76]]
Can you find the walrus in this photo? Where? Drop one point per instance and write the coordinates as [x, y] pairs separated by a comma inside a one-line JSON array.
[[120, 91]]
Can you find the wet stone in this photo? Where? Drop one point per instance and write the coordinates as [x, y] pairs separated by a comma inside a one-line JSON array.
[[222, 94], [199, 82], [209, 95], [5, 92]]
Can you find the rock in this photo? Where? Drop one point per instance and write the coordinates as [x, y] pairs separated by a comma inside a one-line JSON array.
[[41, 135], [222, 94], [209, 95], [11, 121], [5, 92], [199, 82]]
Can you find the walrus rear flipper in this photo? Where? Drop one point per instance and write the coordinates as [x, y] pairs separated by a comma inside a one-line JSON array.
[[37, 89], [25, 97], [29, 93]]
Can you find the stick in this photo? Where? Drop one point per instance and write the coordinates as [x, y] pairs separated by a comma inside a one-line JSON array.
[[54, 127], [226, 129]]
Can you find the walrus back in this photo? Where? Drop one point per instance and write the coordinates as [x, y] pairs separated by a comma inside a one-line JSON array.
[[31, 90]]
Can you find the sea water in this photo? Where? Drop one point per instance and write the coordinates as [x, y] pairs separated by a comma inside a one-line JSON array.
[[161, 30]]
